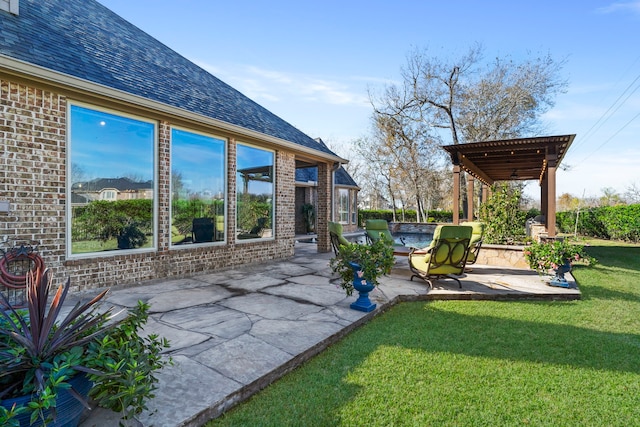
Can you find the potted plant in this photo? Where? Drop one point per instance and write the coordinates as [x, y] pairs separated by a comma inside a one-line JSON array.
[[49, 363], [557, 255], [309, 215], [359, 267]]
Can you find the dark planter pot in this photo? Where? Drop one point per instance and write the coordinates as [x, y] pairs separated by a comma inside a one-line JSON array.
[[68, 408], [360, 284]]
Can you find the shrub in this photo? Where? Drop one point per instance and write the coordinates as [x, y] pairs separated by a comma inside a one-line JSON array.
[[502, 215]]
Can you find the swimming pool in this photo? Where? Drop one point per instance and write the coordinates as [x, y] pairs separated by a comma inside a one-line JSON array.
[[414, 240]]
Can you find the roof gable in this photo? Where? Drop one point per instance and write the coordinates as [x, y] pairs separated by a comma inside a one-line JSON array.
[[86, 40], [342, 177]]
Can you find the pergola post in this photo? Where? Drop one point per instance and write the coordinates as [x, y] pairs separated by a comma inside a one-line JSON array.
[[485, 192], [456, 194], [551, 196], [544, 192], [470, 196]]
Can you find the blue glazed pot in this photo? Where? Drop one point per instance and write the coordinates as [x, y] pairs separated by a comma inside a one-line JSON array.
[[559, 279], [362, 285], [68, 408]]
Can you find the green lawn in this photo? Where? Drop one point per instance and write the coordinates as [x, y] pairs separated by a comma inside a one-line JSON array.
[[477, 363]]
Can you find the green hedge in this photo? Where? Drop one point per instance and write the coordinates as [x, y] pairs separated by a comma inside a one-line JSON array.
[[409, 215], [609, 222]]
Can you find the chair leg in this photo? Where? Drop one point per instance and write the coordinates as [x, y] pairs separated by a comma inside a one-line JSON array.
[[426, 279], [456, 279]]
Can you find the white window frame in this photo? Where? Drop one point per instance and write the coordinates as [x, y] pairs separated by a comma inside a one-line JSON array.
[[225, 190], [273, 195], [68, 214]]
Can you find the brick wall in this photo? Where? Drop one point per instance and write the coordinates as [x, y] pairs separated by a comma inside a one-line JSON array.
[[33, 178], [32, 167]]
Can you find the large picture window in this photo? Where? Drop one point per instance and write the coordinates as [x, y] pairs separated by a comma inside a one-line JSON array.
[[255, 192], [197, 188], [111, 181]]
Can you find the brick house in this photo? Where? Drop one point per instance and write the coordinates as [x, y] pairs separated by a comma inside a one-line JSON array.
[[127, 162], [345, 197]]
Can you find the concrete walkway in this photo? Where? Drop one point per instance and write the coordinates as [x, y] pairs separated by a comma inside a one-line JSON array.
[[236, 331]]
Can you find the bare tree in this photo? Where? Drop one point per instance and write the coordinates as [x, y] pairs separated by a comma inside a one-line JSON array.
[[444, 101], [474, 100], [632, 195]]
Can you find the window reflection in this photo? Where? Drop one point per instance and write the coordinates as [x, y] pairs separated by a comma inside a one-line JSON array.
[[343, 205], [111, 181], [255, 192], [197, 188]]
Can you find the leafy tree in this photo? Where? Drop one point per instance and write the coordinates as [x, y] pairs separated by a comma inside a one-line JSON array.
[[567, 202], [610, 197]]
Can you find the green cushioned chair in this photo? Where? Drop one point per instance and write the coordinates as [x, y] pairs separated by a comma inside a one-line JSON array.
[[476, 240], [337, 239], [376, 228], [445, 257]]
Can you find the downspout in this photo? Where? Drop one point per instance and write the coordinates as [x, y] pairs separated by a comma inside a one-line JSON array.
[[334, 168]]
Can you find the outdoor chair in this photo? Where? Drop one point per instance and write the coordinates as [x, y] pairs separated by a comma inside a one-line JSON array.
[[256, 231], [445, 257], [476, 240], [202, 230], [376, 228], [219, 228], [337, 239]]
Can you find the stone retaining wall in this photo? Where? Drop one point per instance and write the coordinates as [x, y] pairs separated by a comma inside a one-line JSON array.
[[502, 256]]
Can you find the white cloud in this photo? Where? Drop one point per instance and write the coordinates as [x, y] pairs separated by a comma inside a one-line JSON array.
[[632, 6], [275, 86]]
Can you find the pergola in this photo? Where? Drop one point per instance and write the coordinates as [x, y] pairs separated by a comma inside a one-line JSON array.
[[520, 159]]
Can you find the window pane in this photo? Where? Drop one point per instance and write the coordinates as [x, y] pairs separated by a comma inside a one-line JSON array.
[[354, 207], [111, 180], [343, 205], [255, 192], [197, 188]]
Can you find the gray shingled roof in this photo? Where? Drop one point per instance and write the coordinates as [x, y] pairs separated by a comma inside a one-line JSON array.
[[342, 177], [84, 39]]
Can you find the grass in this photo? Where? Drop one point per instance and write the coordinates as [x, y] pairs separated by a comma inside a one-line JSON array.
[[477, 363]]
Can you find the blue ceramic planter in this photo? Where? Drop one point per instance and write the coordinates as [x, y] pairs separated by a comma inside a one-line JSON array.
[[559, 279], [360, 284], [68, 410]]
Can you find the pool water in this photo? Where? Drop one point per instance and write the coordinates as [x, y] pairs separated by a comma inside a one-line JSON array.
[[414, 240]]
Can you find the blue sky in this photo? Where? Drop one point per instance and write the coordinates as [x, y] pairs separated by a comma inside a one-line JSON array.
[[312, 63]]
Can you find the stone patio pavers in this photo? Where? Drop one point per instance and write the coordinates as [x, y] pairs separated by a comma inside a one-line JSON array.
[[244, 359], [235, 331]]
